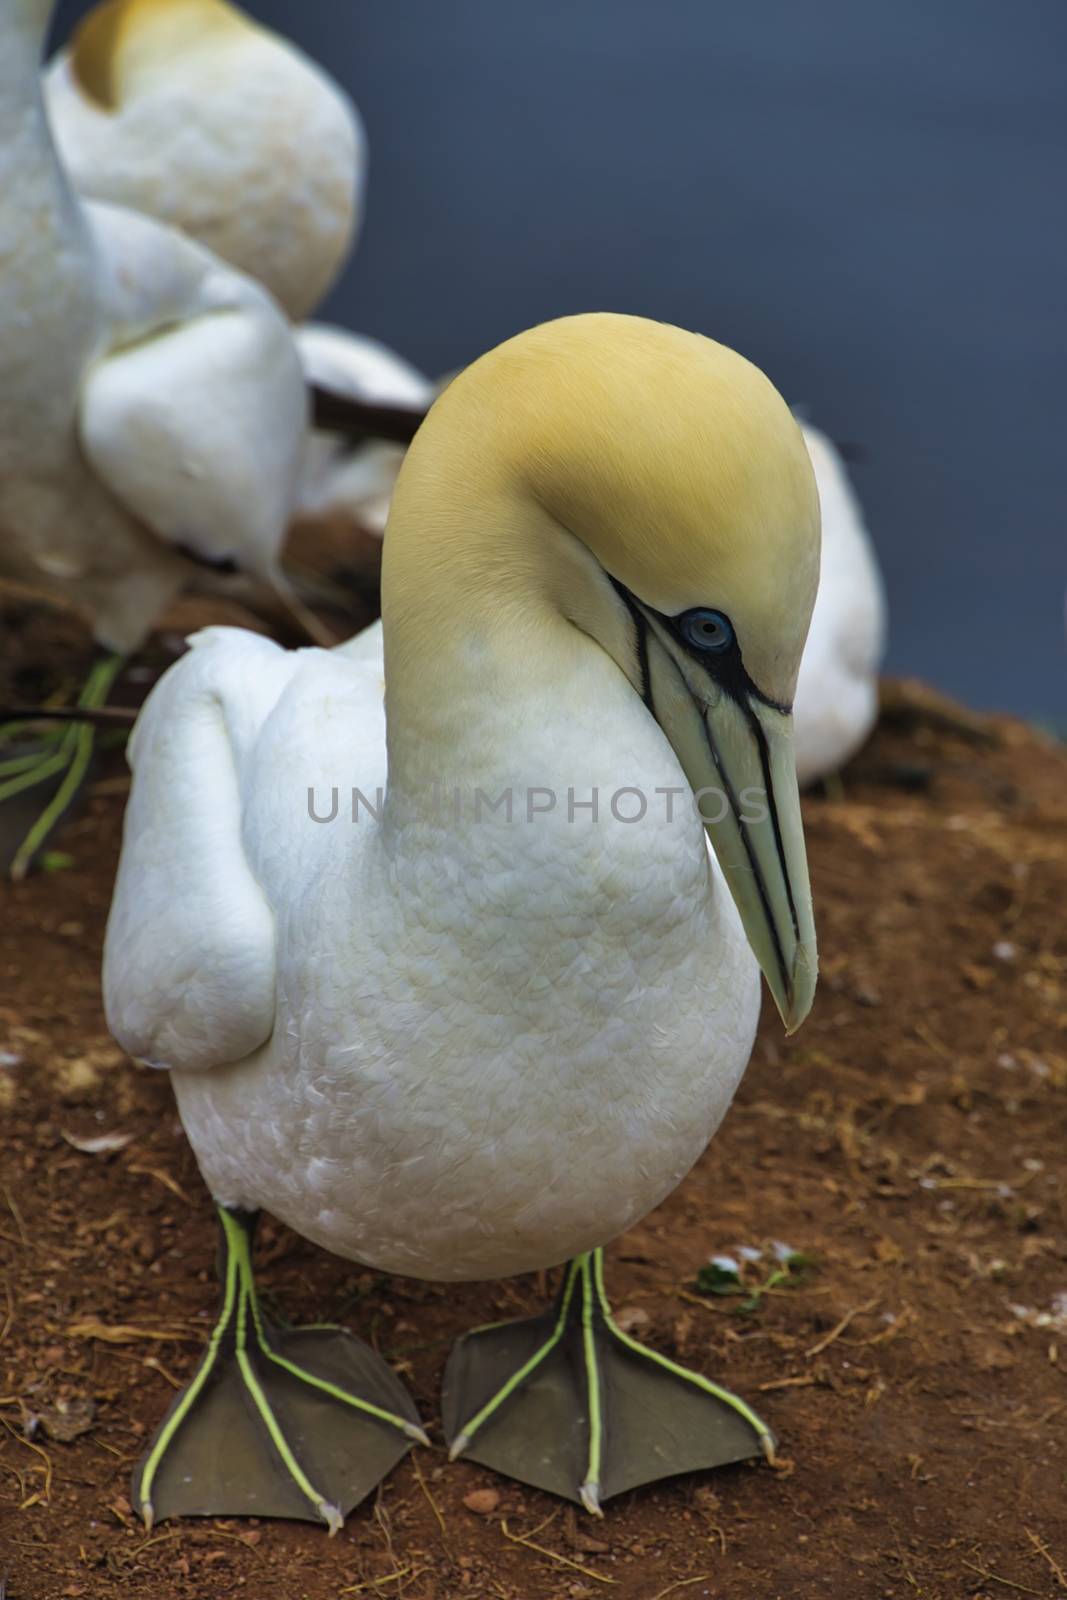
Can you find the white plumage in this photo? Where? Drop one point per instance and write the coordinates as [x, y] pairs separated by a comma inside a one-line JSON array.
[[836, 703], [453, 1055], [188, 111]]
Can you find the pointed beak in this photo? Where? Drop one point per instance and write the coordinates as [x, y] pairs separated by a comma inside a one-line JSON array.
[[737, 752], [755, 829]]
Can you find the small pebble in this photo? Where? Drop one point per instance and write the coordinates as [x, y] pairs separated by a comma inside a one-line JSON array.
[[483, 1502]]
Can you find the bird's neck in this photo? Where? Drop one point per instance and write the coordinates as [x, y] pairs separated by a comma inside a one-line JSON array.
[[476, 642], [519, 754]]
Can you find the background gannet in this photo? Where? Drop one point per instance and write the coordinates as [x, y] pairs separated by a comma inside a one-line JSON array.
[[836, 703], [472, 1039], [343, 484], [153, 409], [190, 112]]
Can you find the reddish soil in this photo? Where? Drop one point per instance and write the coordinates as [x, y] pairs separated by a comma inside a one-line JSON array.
[[910, 1140]]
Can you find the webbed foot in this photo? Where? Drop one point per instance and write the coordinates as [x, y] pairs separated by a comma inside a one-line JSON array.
[[276, 1422], [570, 1403]]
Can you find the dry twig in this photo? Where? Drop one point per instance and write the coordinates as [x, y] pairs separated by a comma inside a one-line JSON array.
[[16, 1213], [126, 1333], [430, 1501], [161, 1177], [683, 1583], [839, 1328], [993, 1577], [390, 1577], [46, 1492], [1043, 1550], [553, 1555]]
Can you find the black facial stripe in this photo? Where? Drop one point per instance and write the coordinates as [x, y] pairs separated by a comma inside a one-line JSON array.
[[779, 953], [741, 689], [726, 666], [728, 670], [641, 629], [779, 844]]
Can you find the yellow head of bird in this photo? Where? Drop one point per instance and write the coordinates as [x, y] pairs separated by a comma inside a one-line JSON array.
[[674, 460]]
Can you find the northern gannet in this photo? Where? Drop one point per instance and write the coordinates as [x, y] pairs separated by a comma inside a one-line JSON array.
[[153, 410], [190, 112], [836, 703], [490, 1014]]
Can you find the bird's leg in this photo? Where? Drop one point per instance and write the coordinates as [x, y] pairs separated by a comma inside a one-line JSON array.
[[569, 1402], [276, 1422], [62, 759]]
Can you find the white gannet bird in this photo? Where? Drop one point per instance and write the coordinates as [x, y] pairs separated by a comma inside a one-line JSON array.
[[467, 1038], [344, 483], [153, 409], [836, 703], [190, 112]]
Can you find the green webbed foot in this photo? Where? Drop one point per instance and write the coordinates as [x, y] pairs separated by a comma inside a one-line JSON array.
[[277, 1422], [570, 1403]]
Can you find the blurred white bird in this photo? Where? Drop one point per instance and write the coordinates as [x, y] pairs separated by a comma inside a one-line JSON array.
[[153, 408], [190, 112], [347, 484], [836, 703]]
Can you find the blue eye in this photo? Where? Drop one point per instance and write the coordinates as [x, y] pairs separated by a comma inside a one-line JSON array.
[[706, 630]]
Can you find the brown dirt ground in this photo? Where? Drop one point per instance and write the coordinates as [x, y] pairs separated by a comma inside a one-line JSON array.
[[910, 1139]]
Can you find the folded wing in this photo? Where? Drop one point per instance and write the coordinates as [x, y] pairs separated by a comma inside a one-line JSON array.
[[189, 962]]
